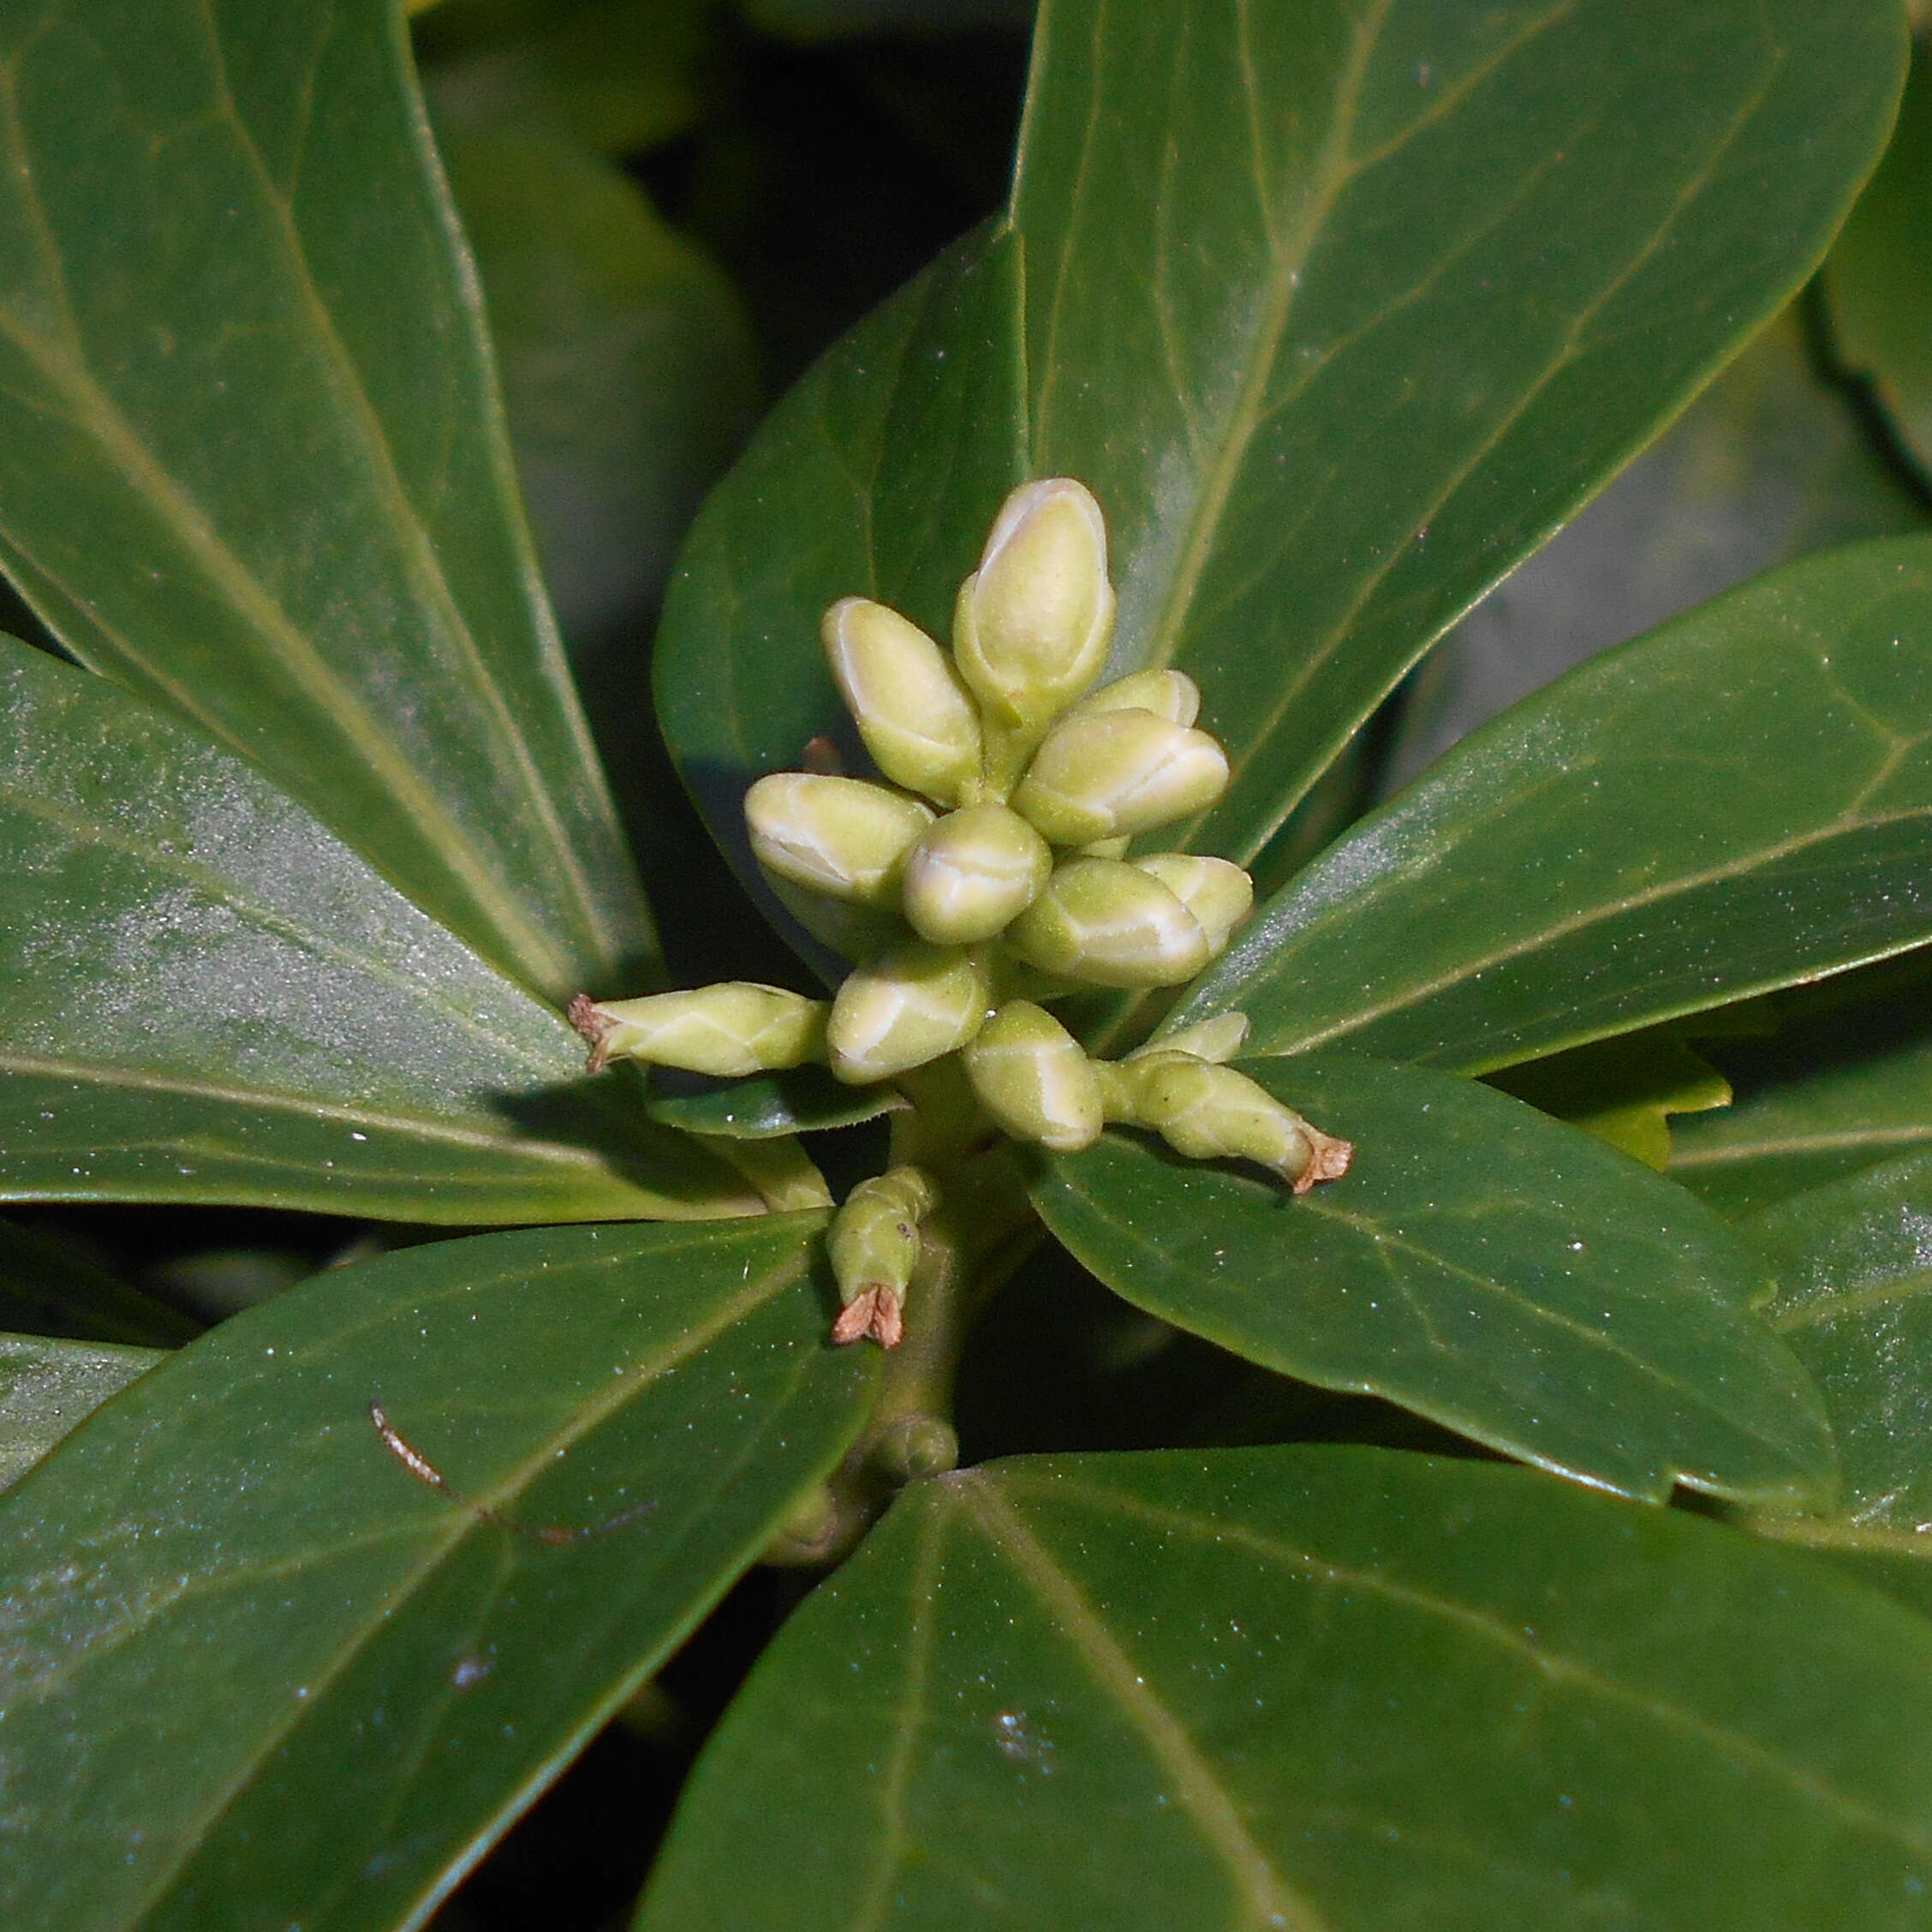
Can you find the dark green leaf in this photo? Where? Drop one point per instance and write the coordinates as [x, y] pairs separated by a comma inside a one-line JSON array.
[[49, 1388], [804, 1101], [50, 1288], [1876, 280], [346, 1679], [1290, 306], [1624, 1091], [1854, 1266], [626, 366], [1739, 801], [251, 460], [210, 997], [1319, 1690], [825, 19], [1816, 1100], [1487, 1267]]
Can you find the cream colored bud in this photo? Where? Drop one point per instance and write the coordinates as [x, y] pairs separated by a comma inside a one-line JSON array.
[[1216, 1040], [735, 1028], [1210, 1112], [1106, 923], [841, 837], [1118, 773], [1033, 1077], [853, 931], [1219, 894], [911, 710], [915, 1004], [1034, 621], [874, 1245], [969, 876], [1171, 695]]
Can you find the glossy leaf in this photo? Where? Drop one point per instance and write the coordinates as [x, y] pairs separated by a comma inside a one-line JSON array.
[[1876, 280], [1855, 1305], [48, 1287], [210, 997], [1624, 1091], [802, 1101], [627, 367], [1321, 1690], [348, 1680], [251, 460], [49, 1388], [1738, 801], [1481, 1265], [1820, 1099]]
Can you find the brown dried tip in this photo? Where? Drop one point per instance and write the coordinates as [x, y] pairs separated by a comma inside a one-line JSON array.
[[582, 1014], [820, 758], [1328, 1160], [877, 1312]]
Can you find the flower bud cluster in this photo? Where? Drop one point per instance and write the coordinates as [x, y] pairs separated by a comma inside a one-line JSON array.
[[988, 873]]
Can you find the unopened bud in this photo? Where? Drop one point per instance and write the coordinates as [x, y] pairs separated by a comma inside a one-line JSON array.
[[969, 876], [912, 712], [915, 1004], [1216, 1040], [1106, 923], [1034, 621], [735, 1028], [841, 837], [1212, 1112], [1219, 894], [1171, 695], [873, 1243], [1117, 773], [1031, 1075], [853, 931]]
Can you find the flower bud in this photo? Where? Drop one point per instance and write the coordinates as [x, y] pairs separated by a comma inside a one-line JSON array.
[[915, 1004], [1033, 621], [1219, 894], [913, 713], [735, 1028], [1210, 1112], [972, 874], [874, 1243], [1031, 1075], [1216, 1040], [853, 931], [1106, 923], [1171, 695], [1117, 773], [841, 837]]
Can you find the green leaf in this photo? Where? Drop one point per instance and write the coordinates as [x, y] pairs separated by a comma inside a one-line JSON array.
[[1855, 1305], [1876, 280], [1290, 307], [210, 997], [1817, 1100], [627, 367], [1628, 844], [1623, 1091], [826, 20], [251, 459], [49, 1388], [1486, 1268], [802, 1100], [347, 1679], [1321, 1690], [48, 1287]]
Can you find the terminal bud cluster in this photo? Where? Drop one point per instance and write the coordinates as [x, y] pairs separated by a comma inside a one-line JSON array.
[[989, 876]]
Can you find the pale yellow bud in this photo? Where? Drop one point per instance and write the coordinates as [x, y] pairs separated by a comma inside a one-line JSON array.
[[972, 874], [1031, 1075], [1219, 894], [840, 836], [735, 1028], [874, 1245], [1216, 1040], [1118, 773], [1171, 695], [1106, 923], [915, 1004], [1212, 1112], [911, 710], [853, 931], [1034, 621]]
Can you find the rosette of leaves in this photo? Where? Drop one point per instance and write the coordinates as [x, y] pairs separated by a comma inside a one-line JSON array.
[[1339, 310]]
